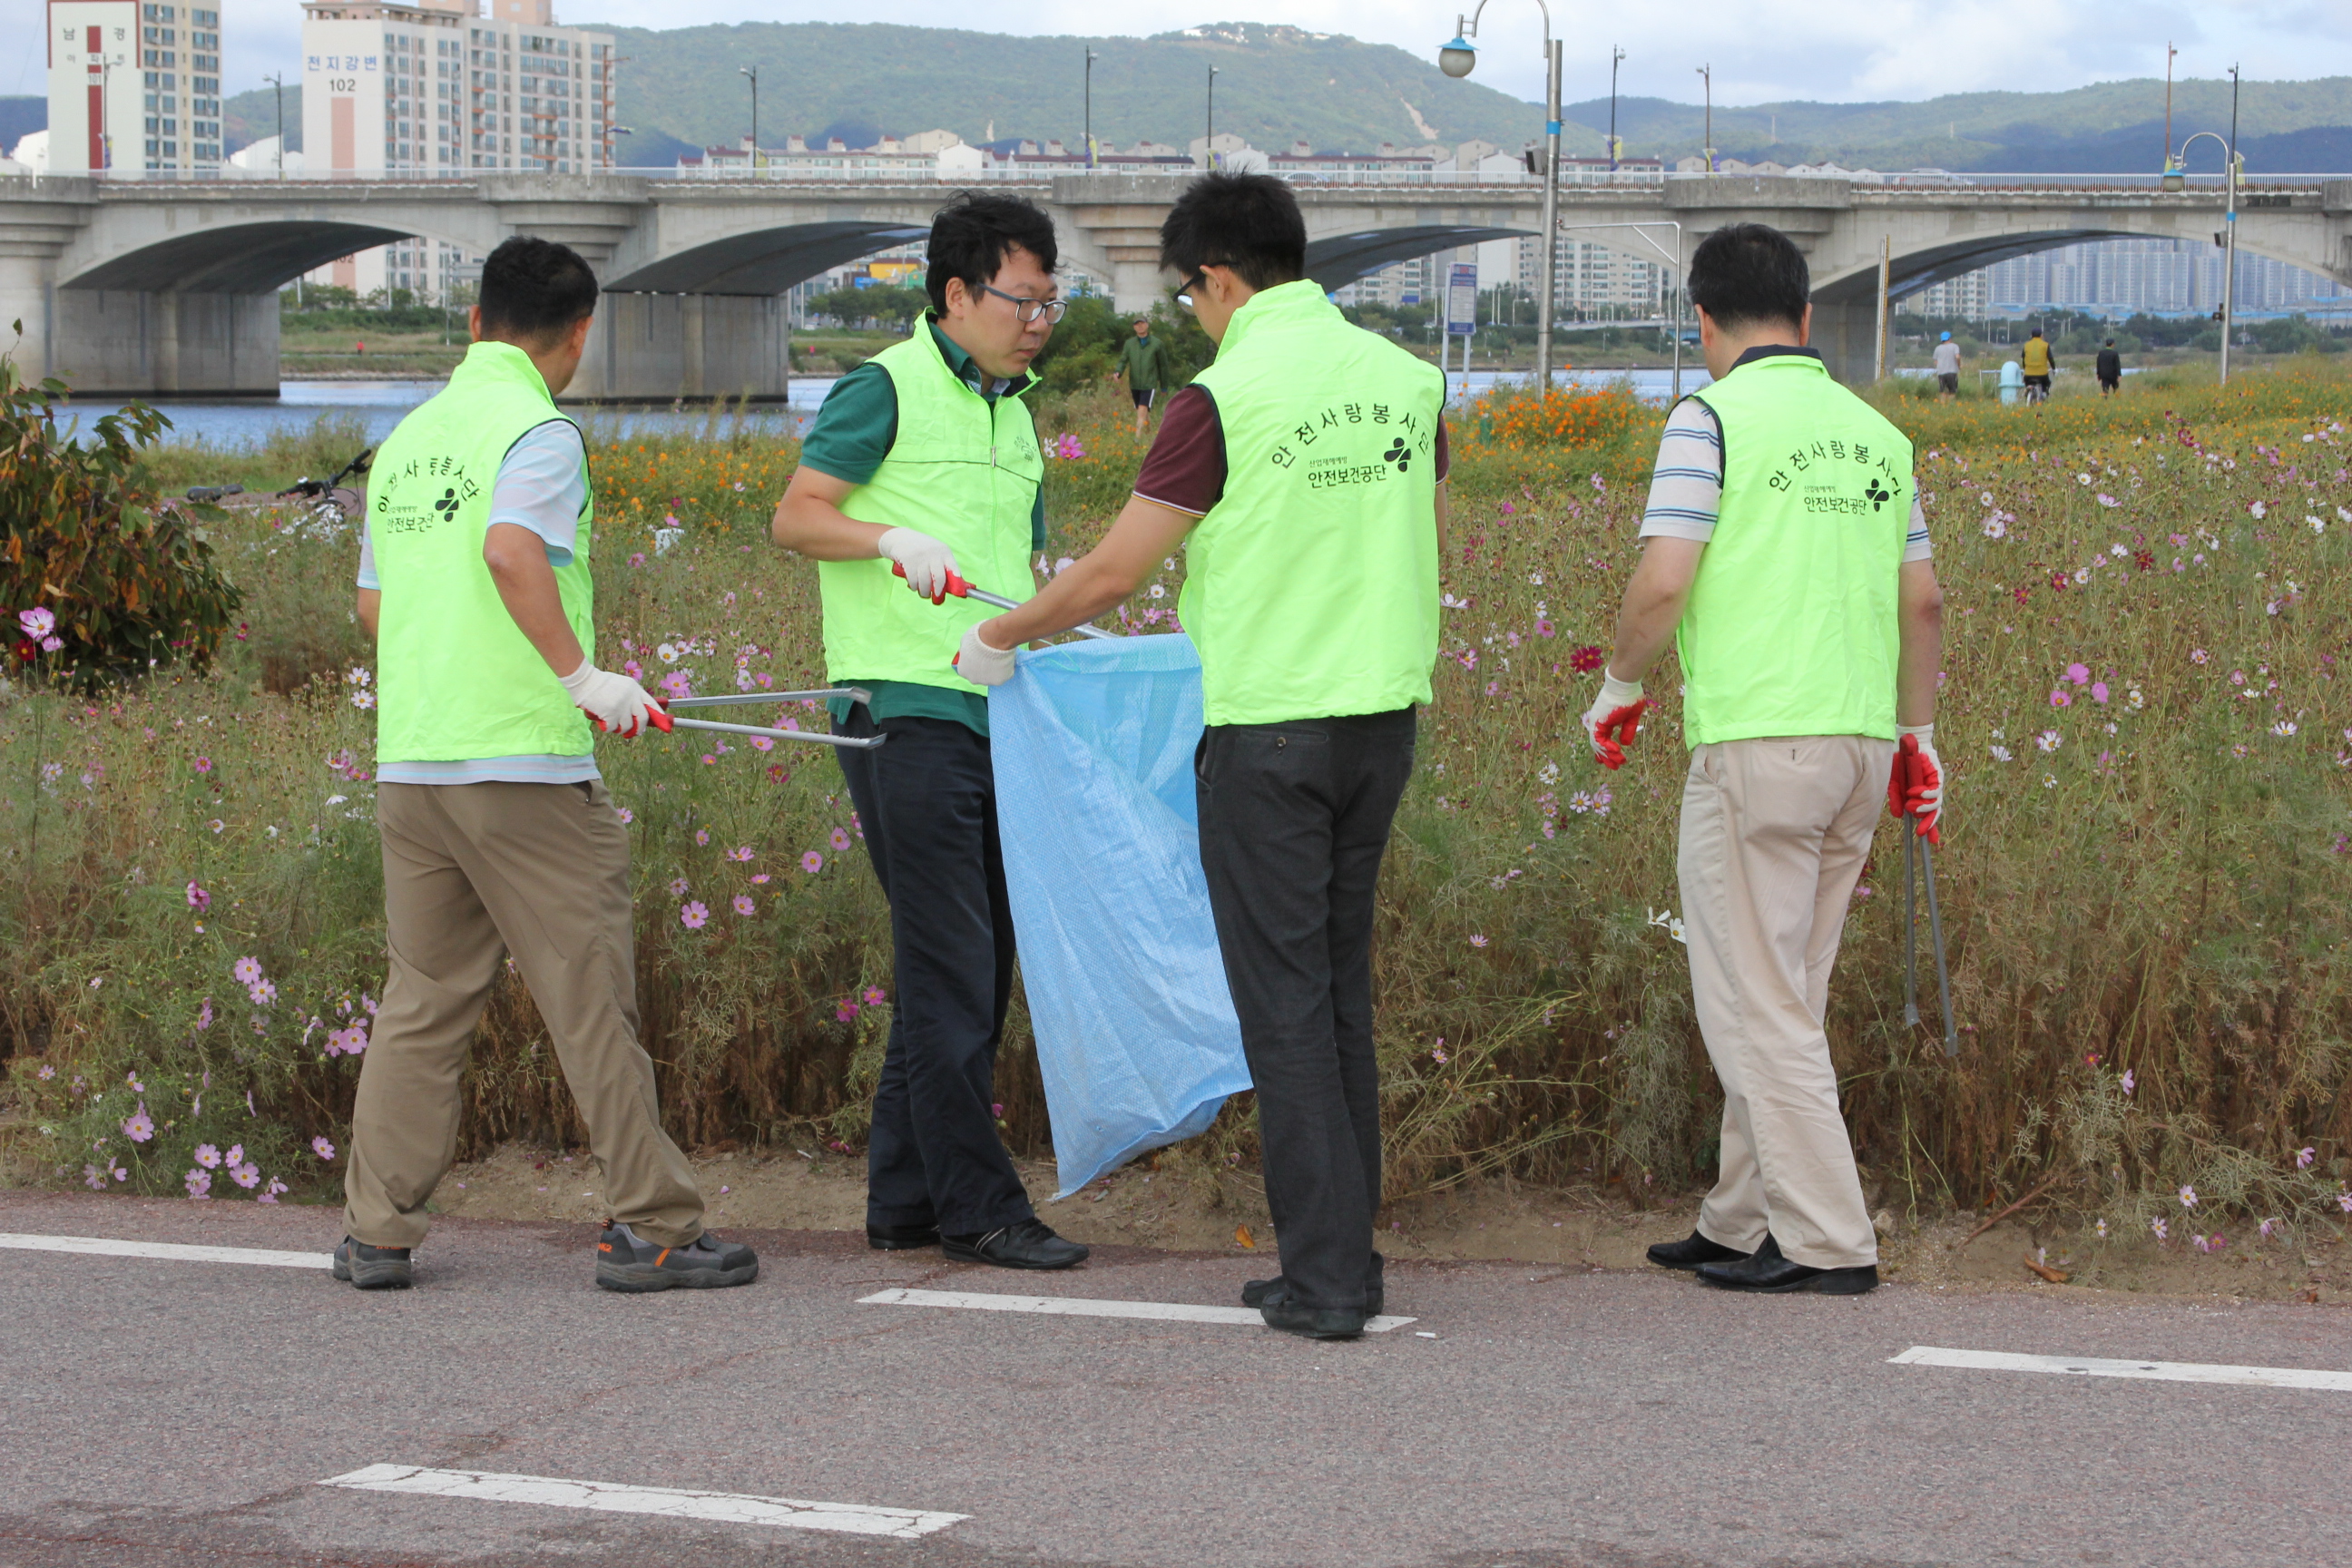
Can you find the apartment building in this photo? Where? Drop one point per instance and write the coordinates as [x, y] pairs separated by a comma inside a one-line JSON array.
[[132, 87], [436, 88]]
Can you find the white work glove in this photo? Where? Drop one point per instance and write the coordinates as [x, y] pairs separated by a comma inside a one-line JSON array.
[[612, 700], [980, 664], [927, 562], [1919, 781], [1613, 719]]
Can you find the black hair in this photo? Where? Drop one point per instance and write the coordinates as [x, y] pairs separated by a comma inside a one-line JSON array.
[[1250, 223], [1749, 273], [533, 289], [975, 234]]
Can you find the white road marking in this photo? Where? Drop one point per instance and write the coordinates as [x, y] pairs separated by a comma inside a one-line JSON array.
[[1085, 1306], [108, 1247], [669, 1502], [2146, 1371]]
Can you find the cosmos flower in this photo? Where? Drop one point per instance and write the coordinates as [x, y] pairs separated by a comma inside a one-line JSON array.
[[743, 904], [322, 1148], [694, 916]]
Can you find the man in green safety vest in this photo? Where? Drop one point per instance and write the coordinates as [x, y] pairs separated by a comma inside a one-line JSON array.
[[924, 464], [498, 836], [1143, 366], [1307, 467], [1785, 553]]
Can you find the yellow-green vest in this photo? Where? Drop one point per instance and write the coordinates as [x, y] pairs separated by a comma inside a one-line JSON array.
[[1792, 627], [964, 469], [1310, 588], [455, 678]]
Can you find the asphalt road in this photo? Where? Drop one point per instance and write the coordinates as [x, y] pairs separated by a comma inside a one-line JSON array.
[[162, 1412]]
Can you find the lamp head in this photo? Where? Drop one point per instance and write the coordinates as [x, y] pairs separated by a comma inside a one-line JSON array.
[[1457, 58]]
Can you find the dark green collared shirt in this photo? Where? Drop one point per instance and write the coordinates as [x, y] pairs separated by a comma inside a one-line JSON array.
[[854, 431]]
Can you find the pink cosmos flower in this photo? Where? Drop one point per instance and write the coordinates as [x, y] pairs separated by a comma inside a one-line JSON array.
[[2302, 1158], [37, 622], [2099, 691], [811, 862], [2158, 1225], [140, 1126], [322, 1148], [203, 764], [678, 887], [762, 743], [2061, 698], [845, 1011], [246, 1175], [873, 997], [2129, 1081], [694, 916], [198, 1183], [245, 970], [207, 1156], [702, 836], [743, 904], [1478, 941], [840, 840], [759, 877], [741, 852], [2189, 1198], [2079, 673], [198, 899]]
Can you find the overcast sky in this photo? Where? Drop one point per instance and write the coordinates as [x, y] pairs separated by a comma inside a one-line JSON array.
[[1762, 50]]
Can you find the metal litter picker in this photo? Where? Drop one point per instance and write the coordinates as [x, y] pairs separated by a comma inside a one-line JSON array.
[[957, 588], [666, 717], [1917, 851]]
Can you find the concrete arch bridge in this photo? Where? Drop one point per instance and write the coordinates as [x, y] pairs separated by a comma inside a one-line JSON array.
[[142, 287]]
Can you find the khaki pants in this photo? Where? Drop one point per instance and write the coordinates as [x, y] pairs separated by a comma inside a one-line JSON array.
[[472, 872], [1774, 834]]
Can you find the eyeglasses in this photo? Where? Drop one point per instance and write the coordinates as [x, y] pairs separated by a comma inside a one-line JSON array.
[[1027, 310], [1184, 295]]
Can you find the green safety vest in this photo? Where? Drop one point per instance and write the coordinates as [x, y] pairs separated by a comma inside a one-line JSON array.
[[1310, 588], [455, 678], [962, 469], [1791, 628]]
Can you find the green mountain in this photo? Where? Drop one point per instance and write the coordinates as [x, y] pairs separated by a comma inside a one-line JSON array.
[[1274, 85], [2300, 127]]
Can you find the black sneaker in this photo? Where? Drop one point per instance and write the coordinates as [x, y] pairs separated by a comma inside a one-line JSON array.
[[625, 1263], [1258, 1292], [900, 1237], [373, 1268], [1026, 1244]]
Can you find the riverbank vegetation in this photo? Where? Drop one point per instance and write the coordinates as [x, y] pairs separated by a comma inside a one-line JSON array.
[[2144, 890]]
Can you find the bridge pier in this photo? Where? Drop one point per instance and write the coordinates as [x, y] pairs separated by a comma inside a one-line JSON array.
[[1845, 333], [659, 348], [120, 343]]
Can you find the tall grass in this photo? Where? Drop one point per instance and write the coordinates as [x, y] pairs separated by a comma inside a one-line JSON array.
[[2143, 887]]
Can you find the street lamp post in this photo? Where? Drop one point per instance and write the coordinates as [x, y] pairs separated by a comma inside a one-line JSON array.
[[2234, 166], [278, 81], [1455, 59], [754, 72], [1208, 148], [1706, 75], [1616, 59], [1091, 57]]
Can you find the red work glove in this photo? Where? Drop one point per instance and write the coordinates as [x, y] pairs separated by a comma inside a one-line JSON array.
[[1614, 719], [1914, 786]]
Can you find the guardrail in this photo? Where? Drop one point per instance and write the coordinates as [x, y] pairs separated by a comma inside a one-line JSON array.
[[1038, 173]]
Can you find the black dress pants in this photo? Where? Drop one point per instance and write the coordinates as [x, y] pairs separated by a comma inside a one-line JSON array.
[[1294, 820], [927, 802]]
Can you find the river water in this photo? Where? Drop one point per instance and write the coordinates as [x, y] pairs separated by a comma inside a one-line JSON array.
[[378, 406]]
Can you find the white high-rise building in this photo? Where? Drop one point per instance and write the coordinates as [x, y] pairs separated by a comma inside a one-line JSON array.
[[132, 87], [435, 86]]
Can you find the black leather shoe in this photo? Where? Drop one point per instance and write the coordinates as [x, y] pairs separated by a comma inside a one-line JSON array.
[[1690, 1254], [1767, 1271], [900, 1237], [1258, 1292], [1311, 1322], [1026, 1244]]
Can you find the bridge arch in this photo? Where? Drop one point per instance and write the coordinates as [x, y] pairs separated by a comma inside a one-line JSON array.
[[766, 260]]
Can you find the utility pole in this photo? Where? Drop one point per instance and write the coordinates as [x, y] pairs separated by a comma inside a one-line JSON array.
[[1706, 75], [2230, 232], [754, 72], [278, 81], [2168, 52], [1616, 57], [1091, 57]]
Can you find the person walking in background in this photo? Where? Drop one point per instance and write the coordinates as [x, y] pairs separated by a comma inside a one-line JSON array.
[[1143, 366], [1785, 553], [923, 463], [2038, 364], [1947, 367], [1307, 467], [498, 835], [2110, 369]]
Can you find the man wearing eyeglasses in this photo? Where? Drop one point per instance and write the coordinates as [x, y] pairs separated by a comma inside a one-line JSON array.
[[923, 462]]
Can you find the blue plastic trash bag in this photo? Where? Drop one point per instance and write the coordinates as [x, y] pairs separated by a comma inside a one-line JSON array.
[[1136, 1033]]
